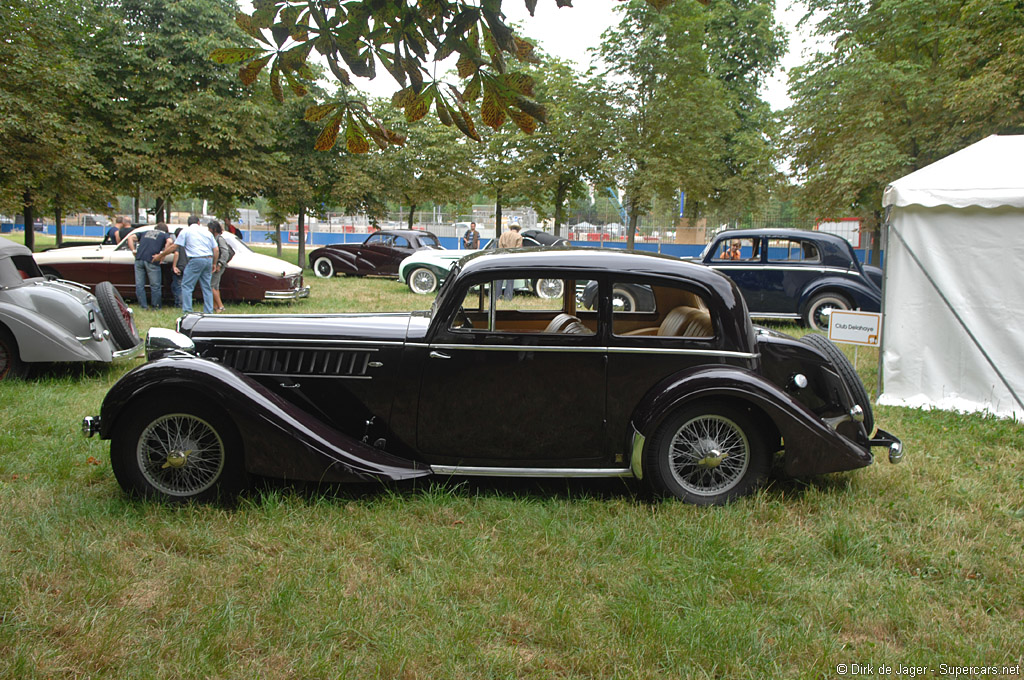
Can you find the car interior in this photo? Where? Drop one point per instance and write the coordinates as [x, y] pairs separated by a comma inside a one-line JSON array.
[[677, 312]]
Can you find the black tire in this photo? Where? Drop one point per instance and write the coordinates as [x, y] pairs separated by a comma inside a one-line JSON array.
[[813, 317], [11, 365], [323, 268], [422, 281], [548, 289], [181, 453], [706, 454], [117, 316], [847, 372]]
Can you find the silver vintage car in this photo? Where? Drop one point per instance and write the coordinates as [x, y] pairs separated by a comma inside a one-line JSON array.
[[45, 320]]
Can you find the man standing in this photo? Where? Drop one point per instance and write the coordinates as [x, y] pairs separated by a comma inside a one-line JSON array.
[[110, 238], [149, 248], [510, 238], [201, 248], [471, 239]]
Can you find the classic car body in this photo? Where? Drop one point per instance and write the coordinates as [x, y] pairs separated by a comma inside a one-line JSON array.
[[424, 271], [249, 277], [688, 397], [380, 254], [795, 275], [44, 320]]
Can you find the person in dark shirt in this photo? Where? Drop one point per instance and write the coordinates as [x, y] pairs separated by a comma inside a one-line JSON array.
[[111, 237], [150, 247]]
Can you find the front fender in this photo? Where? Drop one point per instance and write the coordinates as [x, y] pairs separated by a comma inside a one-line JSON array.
[[279, 439], [863, 295], [812, 447]]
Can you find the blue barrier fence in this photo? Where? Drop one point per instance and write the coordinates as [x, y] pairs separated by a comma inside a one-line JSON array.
[[317, 239]]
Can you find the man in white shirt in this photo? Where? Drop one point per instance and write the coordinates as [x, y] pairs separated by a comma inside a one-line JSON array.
[[201, 248]]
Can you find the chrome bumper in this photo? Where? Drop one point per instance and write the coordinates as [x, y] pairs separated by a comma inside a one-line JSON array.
[[131, 352], [90, 425], [883, 438], [293, 294]]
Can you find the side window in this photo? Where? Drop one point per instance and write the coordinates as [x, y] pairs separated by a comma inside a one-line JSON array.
[[375, 240], [736, 249], [525, 306], [401, 242], [790, 250], [661, 311]]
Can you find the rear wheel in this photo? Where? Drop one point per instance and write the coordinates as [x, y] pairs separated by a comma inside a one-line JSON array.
[[323, 267], [706, 454], [847, 372], [117, 316], [623, 300], [177, 453], [422, 281], [11, 365], [814, 318]]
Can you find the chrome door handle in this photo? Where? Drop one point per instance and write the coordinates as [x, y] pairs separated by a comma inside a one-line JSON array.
[[434, 354]]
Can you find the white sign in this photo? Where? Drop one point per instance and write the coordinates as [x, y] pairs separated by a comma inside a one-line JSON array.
[[855, 328]]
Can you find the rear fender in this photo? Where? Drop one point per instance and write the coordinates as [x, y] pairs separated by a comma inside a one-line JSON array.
[[279, 439], [39, 338], [812, 447], [862, 294]]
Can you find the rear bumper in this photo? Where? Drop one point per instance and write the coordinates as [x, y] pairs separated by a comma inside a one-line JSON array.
[[883, 438]]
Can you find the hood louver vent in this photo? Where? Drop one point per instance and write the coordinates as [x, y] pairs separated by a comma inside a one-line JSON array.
[[295, 362]]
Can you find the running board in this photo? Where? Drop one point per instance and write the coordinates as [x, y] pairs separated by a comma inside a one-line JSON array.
[[468, 471]]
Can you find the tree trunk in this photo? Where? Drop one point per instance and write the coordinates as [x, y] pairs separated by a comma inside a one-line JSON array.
[[135, 206], [875, 257], [497, 213], [634, 217], [57, 220], [278, 240], [158, 214], [302, 237], [28, 211], [412, 214], [560, 192]]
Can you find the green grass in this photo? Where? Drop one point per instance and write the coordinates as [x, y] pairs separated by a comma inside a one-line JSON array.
[[916, 564]]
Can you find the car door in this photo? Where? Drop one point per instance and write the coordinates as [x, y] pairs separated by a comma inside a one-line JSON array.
[[673, 331], [401, 248], [376, 254], [513, 383], [790, 266], [742, 260]]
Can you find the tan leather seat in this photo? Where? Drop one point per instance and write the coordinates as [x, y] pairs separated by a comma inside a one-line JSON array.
[[560, 322]]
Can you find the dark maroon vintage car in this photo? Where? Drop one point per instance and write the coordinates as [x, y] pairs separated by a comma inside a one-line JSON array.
[[379, 254], [684, 394]]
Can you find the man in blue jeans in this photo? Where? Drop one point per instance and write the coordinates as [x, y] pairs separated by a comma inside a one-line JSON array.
[[149, 248], [201, 248]]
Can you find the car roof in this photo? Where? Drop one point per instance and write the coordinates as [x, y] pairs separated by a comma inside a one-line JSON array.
[[9, 248], [406, 232], [783, 233]]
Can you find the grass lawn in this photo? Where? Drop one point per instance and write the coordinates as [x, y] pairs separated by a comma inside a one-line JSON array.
[[917, 564]]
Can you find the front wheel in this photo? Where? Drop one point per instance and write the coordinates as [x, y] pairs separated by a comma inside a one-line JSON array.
[[323, 267], [706, 454], [814, 317], [177, 453], [422, 281]]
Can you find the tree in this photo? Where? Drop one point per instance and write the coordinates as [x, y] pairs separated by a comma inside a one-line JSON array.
[[402, 35], [183, 125], [671, 113], [893, 96], [435, 166], [575, 144], [48, 129]]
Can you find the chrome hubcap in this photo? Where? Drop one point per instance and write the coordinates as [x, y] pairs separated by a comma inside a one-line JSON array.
[[181, 454], [709, 455]]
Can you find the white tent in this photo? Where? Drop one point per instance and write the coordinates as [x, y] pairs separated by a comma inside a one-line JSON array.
[[953, 331]]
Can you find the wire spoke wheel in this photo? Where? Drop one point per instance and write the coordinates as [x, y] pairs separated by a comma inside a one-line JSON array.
[[548, 289], [709, 455], [181, 455], [423, 281]]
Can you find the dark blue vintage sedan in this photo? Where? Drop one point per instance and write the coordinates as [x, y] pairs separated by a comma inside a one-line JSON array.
[[795, 275], [682, 393]]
